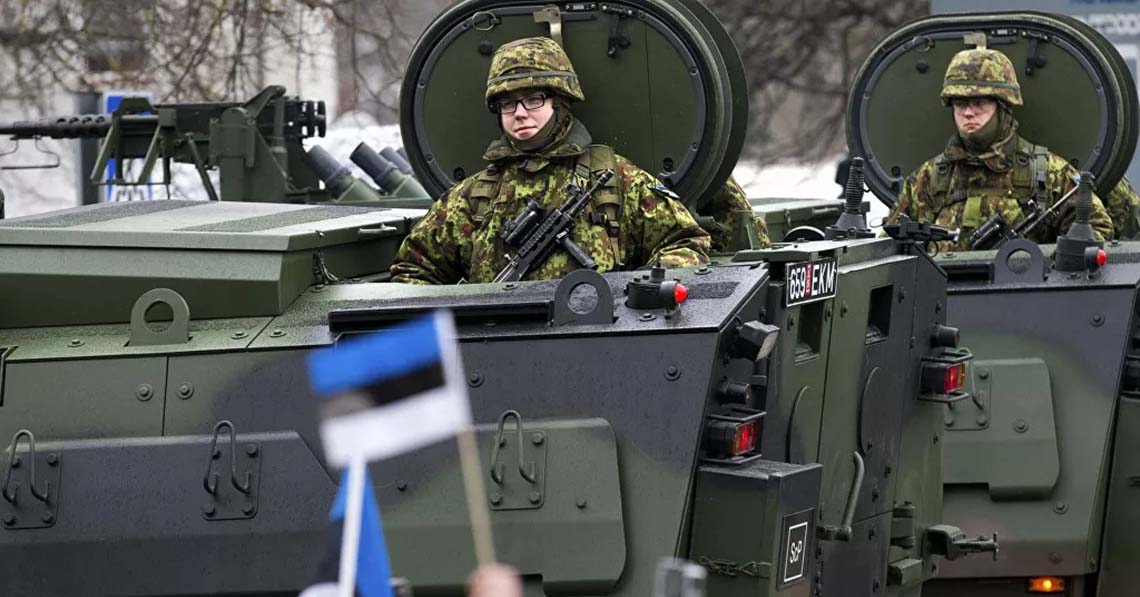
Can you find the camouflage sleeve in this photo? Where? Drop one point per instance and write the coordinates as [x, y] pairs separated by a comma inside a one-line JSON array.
[[723, 207], [914, 201], [662, 226], [1124, 207], [1061, 178], [430, 254]]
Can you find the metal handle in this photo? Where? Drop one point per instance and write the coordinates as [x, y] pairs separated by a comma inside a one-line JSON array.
[[526, 470], [210, 482], [12, 463]]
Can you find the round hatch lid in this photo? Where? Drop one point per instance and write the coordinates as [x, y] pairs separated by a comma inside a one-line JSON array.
[[664, 87], [1080, 100]]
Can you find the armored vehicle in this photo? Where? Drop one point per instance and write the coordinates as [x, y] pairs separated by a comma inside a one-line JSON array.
[[1042, 453], [775, 416]]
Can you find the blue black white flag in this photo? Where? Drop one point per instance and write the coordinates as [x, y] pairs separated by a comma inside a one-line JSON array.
[[391, 391], [373, 571]]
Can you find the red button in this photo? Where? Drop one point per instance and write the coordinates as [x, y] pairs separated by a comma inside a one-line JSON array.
[[680, 293], [1101, 258]]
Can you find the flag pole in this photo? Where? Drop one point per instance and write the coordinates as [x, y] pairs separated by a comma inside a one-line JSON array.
[[476, 497], [350, 540]]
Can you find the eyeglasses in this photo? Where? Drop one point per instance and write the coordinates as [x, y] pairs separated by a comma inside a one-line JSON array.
[[976, 103], [508, 106]]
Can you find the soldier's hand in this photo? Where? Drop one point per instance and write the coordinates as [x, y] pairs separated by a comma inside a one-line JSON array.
[[495, 580]]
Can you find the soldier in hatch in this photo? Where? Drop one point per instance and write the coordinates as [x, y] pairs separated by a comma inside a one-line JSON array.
[[986, 167], [631, 222]]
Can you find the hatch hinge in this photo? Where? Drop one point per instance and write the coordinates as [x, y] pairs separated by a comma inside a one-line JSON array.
[[552, 16]]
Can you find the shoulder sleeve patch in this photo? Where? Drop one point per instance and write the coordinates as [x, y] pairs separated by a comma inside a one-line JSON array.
[[665, 192]]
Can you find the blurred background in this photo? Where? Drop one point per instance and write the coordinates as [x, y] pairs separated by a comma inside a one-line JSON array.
[[62, 57]]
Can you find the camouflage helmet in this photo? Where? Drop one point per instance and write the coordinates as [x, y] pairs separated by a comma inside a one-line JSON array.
[[529, 63], [981, 72]]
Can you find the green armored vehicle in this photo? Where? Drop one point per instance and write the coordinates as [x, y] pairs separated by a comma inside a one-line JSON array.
[[780, 423], [1044, 451]]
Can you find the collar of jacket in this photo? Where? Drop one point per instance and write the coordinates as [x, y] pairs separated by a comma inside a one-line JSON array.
[[574, 145], [999, 158]]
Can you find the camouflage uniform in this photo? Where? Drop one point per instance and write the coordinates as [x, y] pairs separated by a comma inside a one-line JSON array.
[[723, 207], [631, 222], [963, 189], [1124, 207]]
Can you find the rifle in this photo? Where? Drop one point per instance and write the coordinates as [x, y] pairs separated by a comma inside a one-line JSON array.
[[996, 231], [537, 231]]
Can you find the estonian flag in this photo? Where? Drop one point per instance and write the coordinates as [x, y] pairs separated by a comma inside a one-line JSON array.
[[391, 391], [373, 571]]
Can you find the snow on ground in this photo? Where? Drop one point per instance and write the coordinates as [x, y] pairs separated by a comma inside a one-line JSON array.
[[800, 181]]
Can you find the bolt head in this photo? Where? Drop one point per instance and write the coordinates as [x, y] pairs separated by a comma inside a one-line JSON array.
[[209, 510], [251, 449], [9, 519], [52, 459], [48, 518], [401, 485], [537, 438], [581, 503], [248, 509], [535, 497], [496, 498]]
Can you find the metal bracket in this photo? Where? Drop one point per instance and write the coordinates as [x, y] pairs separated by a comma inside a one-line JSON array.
[[54, 163], [527, 489], [178, 332], [551, 15], [237, 499], [603, 312], [1004, 274], [972, 414], [30, 501]]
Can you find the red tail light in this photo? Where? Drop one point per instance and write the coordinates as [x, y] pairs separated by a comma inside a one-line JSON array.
[[954, 378], [734, 435]]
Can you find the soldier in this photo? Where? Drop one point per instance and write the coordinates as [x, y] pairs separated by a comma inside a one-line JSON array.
[[729, 200], [986, 167], [631, 222]]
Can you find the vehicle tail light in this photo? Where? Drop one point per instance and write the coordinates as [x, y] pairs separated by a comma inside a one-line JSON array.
[[734, 435], [1046, 584]]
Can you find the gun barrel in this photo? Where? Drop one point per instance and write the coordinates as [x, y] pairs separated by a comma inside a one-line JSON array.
[[374, 165], [83, 126], [393, 156]]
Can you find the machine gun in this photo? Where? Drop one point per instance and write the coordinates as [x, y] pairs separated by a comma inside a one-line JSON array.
[[256, 145], [996, 230], [537, 231]]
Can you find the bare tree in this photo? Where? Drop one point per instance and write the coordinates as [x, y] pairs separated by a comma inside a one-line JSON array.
[[186, 50], [800, 59]]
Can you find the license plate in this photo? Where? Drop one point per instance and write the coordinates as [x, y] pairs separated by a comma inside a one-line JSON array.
[[809, 281]]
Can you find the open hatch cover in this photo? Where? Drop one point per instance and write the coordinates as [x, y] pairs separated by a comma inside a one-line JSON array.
[[1080, 100], [664, 86]]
